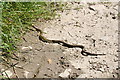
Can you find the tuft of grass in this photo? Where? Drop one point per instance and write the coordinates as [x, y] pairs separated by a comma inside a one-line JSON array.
[[17, 17]]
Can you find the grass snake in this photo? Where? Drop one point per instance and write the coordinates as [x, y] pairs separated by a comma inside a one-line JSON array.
[[42, 38]]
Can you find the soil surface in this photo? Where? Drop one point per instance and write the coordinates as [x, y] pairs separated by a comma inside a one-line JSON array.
[[94, 25]]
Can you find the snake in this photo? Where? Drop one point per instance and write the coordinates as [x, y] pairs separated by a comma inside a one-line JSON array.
[[42, 38]]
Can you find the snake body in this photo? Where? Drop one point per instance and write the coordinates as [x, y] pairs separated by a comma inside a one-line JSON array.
[[83, 52]]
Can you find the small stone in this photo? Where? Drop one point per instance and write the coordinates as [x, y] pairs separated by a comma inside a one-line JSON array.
[[26, 74], [116, 8], [28, 48], [101, 69], [7, 73], [65, 74], [38, 64], [64, 52]]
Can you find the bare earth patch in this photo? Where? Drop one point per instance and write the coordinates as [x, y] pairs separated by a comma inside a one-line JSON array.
[[93, 25]]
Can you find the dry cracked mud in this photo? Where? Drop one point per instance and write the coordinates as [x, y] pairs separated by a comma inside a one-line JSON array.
[[94, 25]]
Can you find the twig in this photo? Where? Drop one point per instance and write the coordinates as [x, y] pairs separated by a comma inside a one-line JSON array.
[[7, 76], [10, 65], [15, 73]]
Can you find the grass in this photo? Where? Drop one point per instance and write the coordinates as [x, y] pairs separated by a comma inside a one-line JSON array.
[[17, 17]]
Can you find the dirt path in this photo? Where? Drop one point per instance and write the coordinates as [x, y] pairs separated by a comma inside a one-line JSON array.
[[93, 25]]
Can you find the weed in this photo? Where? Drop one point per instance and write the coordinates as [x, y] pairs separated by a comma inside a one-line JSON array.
[[17, 18]]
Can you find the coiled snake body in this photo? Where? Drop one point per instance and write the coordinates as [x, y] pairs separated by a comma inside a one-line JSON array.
[[83, 52]]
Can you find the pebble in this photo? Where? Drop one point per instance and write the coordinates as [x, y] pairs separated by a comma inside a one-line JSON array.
[[102, 69], [8, 72], [26, 74], [27, 48], [65, 74], [116, 8]]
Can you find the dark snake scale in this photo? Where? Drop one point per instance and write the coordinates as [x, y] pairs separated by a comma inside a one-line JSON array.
[[83, 52]]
